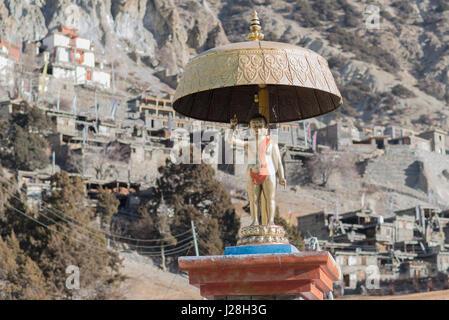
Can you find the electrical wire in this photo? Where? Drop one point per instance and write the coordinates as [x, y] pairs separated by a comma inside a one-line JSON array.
[[47, 227], [168, 252], [159, 254], [110, 234], [114, 235], [158, 246], [85, 228], [172, 251], [78, 224], [119, 236], [137, 240]]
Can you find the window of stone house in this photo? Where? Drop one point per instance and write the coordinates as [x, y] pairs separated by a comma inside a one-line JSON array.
[[346, 280]]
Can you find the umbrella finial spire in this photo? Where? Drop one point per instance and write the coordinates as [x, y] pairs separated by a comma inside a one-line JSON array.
[[255, 28]]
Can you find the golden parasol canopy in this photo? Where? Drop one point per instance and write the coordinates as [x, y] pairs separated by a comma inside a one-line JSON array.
[[282, 81]]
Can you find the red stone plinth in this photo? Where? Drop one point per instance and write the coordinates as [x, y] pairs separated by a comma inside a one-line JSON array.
[[307, 274]]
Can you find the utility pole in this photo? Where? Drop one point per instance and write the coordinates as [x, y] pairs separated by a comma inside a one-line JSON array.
[[20, 56], [74, 103], [305, 134], [194, 238], [96, 107], [53, 157], [59, 99], [112, 76], [164, 268], [31, 88], [44, 72], [129, 176], [74, 64]]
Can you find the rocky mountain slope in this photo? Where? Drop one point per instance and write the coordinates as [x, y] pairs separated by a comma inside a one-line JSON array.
[[397, 73]]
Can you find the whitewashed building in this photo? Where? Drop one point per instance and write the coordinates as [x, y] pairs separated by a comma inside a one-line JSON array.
[[73, 57], [9, 55]]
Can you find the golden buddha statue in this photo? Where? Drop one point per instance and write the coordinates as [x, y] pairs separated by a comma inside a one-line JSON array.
[[264, 163]]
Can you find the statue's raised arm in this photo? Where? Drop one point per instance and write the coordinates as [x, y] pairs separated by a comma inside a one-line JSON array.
[[231, 135]]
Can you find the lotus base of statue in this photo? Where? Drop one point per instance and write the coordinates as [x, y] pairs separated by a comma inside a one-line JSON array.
[[262, 234]]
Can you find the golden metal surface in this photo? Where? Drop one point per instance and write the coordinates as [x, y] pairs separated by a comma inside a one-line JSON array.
[[261, 234], [255, 28], [217, 84], [261, 230], [223, 81], [264, 159], [264, 102], [256, 62]]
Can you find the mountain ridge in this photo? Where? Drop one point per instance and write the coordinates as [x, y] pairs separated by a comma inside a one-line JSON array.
[[154, 39]]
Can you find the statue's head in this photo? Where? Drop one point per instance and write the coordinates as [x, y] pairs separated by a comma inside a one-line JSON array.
[[258, 124]]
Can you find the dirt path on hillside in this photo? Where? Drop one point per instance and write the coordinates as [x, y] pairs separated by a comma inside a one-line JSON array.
[[148, 282]]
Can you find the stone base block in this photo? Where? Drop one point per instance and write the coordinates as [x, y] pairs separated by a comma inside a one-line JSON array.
[[305, 274]]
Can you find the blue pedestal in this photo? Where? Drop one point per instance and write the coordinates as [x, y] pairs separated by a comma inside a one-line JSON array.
[[260, 249]]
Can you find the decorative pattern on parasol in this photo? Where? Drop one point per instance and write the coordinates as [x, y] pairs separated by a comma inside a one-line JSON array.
[[224, 81]]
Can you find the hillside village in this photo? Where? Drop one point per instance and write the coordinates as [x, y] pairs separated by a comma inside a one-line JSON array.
[[116, 140], [369, 183]]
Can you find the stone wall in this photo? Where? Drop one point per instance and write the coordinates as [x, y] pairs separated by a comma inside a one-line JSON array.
[[414, 172]]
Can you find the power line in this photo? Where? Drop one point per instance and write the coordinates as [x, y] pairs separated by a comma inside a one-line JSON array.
[[175, 253], [153, 254], [78, 224], [159, 253], [188, 244], [159, 246], [51, 219], [116, 235], [171, 251], [91, 232], [111, 234], [47, 227], [71, 220]]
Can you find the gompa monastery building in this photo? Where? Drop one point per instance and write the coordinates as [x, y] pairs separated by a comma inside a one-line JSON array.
[[73, 57]]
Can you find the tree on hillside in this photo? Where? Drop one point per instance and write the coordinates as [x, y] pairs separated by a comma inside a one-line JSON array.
[[155, 226], [65, 241], [292, 232], [210, 236], [185, 185], [323, 165], [107, 206], [33, 119], [29, 150], [20, 277], [186, 193], [98, 267], [101, 160], [29, 234], [22, 142]]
